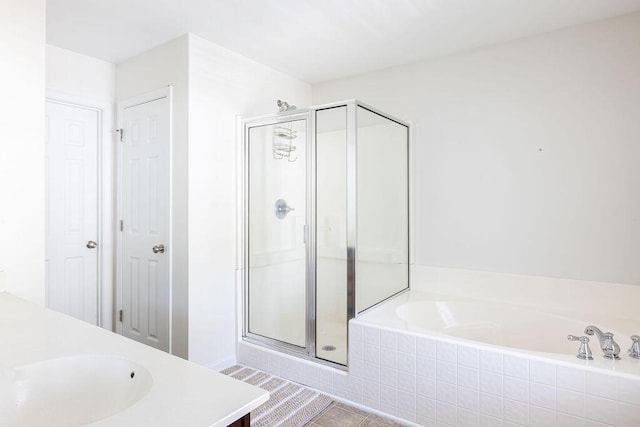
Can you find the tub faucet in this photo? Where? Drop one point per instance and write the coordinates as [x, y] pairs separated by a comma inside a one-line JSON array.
[[609, 347]]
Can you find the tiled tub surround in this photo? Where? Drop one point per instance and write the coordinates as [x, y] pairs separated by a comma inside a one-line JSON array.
[[429, 378]]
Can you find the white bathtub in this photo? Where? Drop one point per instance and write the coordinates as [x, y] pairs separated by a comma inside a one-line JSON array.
[[497, 324], [510, 328]]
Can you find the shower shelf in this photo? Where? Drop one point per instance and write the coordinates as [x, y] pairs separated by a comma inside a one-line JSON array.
[[283, 143]]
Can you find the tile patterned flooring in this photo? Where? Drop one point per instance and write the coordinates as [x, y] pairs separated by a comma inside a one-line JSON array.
[[341, 415]]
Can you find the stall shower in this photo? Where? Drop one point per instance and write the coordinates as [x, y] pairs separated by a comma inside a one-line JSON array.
[[326, 224]]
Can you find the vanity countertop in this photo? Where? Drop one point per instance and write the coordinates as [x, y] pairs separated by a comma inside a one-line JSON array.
[[182, 394]]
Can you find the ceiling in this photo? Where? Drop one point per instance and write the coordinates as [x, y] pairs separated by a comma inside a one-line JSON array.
[[315, 40]]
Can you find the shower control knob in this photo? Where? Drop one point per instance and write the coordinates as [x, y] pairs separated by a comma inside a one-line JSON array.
[[158, 249], [281, 208]]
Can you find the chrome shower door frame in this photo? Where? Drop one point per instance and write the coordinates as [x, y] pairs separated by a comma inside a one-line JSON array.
[[309, 237]]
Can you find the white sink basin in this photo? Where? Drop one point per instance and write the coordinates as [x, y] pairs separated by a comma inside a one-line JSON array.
[[70, 391]]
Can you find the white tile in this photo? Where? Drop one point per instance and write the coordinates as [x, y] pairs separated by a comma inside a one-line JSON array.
[[446, 372], [564, 420], [516, 389], [371, 353], [426, 387], [373, 404], [628, 415], [570, 379], [426, 367], [407, 382], [516, 367], [391, 410], [372, 336], [602, 410], [407, 343], [389, 376], [447, 352], [356, 369], [325, 377], [407, 362], [371, 391], [426, 347], [542, 373], [388, 339], [407, 415], [602, 385], [491, 361], [446, 413], [469, 378], [342, 393], [355, 386], [388, 358], [516, 412], [426, 408], [596, 424], [407, 402], [542, 395], [340, 381], [372, 372], [491, 383], [469, 399], [468, 418], [311, 374], [426, 422], [356, 351], [510, 424], [488, 421], [356, 332], [292, 370], [571, 402], [468, 356], [540, 417], [356, 398], [491, 405], [388, 396], [629, 391], [446, 392]]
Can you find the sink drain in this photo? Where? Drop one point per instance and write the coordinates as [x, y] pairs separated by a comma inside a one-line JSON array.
[[329, 347]]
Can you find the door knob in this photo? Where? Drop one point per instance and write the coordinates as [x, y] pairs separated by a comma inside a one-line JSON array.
[[91, 244], [158, 249]]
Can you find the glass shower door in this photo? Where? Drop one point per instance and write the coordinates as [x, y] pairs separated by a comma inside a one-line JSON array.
[[276, 254]]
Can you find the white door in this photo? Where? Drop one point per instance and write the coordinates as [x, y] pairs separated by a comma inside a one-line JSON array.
[[71, 246], [145, 221]]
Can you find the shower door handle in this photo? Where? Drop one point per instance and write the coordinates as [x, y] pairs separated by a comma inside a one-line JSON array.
[[158, 249]]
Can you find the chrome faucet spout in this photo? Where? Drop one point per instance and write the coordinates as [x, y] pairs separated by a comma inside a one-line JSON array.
[[609, 347]]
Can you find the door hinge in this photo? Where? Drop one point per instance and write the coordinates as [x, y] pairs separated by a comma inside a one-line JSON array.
[[120, 315], [121, 225], [121, 132]]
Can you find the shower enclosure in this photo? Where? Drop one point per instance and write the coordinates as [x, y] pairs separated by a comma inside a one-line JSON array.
[[326, 224]]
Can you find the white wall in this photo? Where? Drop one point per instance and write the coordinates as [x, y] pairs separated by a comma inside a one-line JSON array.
[[222, 85], [160, 67], [91, 82], [525, 153], [80, 76], [22, 43], [211, 87]]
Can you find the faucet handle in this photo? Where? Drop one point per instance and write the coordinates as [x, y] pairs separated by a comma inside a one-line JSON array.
[[634, 351], [584, 352]]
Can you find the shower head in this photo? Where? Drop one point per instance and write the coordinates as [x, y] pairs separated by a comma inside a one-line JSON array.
[[284, 106]]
